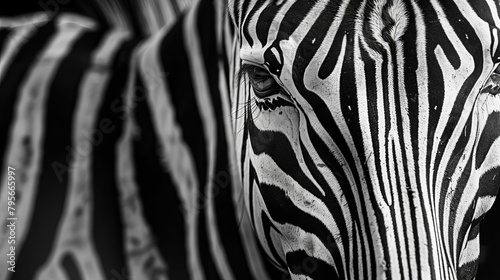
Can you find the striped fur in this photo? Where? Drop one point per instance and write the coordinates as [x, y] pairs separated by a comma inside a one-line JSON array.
[[380, 155], [158, 195], [122, 147], [59, 77], [185, 118]]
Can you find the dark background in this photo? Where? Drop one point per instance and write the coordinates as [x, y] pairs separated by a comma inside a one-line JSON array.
[[489, 261]]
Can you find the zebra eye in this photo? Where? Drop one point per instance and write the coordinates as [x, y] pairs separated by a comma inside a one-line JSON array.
[[262, 82], [492, 85]]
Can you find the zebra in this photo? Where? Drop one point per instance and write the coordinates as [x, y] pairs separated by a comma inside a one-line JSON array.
[[382, 154], [56, 82], [146, 157], [368, 133]]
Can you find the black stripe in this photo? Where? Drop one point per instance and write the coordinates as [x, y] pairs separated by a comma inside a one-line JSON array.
[[466, 221], [298, 12], [224, 54], [411, 86], [402, 143], [326, 18], [348, 98], [284, 211], [484, 12], [13, 77], [462, 29], [489, 183], [409, 39], [69, 265], [329, 159], [180, 85], [435, 85], [225, 210], [271, 268], [107, 228], [402, 212], [277, 146], [267, 225], [468, 271], [266, 19], [51, 191], [162, 206], [249, 16], [245, 135], [451, 169], [474, 231], [252, 177], [329, 198], [5, 36], [488, 136]]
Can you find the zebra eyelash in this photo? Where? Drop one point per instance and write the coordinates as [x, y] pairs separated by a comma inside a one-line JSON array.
[[492, 90], [248, 70], [244, 70], [269, 103]]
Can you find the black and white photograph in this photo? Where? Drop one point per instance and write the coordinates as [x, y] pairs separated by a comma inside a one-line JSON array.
[[250, 139]]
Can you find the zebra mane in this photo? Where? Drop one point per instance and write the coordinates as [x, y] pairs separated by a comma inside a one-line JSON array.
[[144, 17]]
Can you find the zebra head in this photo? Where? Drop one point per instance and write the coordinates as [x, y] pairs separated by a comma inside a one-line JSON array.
[[368, 133]]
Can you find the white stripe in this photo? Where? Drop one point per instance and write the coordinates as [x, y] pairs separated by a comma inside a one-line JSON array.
[[251, 30], [471, 252], [252, 253], [259, 207], [23, 20], [483, 204], [205, 108], [180, 163], [479, 119], [139, 242], [451, 78], [22, 30], [294, 238], [271, 174], [29, 124], [74, 234], [423, 122]]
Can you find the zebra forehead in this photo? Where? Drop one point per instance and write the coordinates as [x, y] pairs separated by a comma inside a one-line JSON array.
[[387, 19], [378, 20]]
